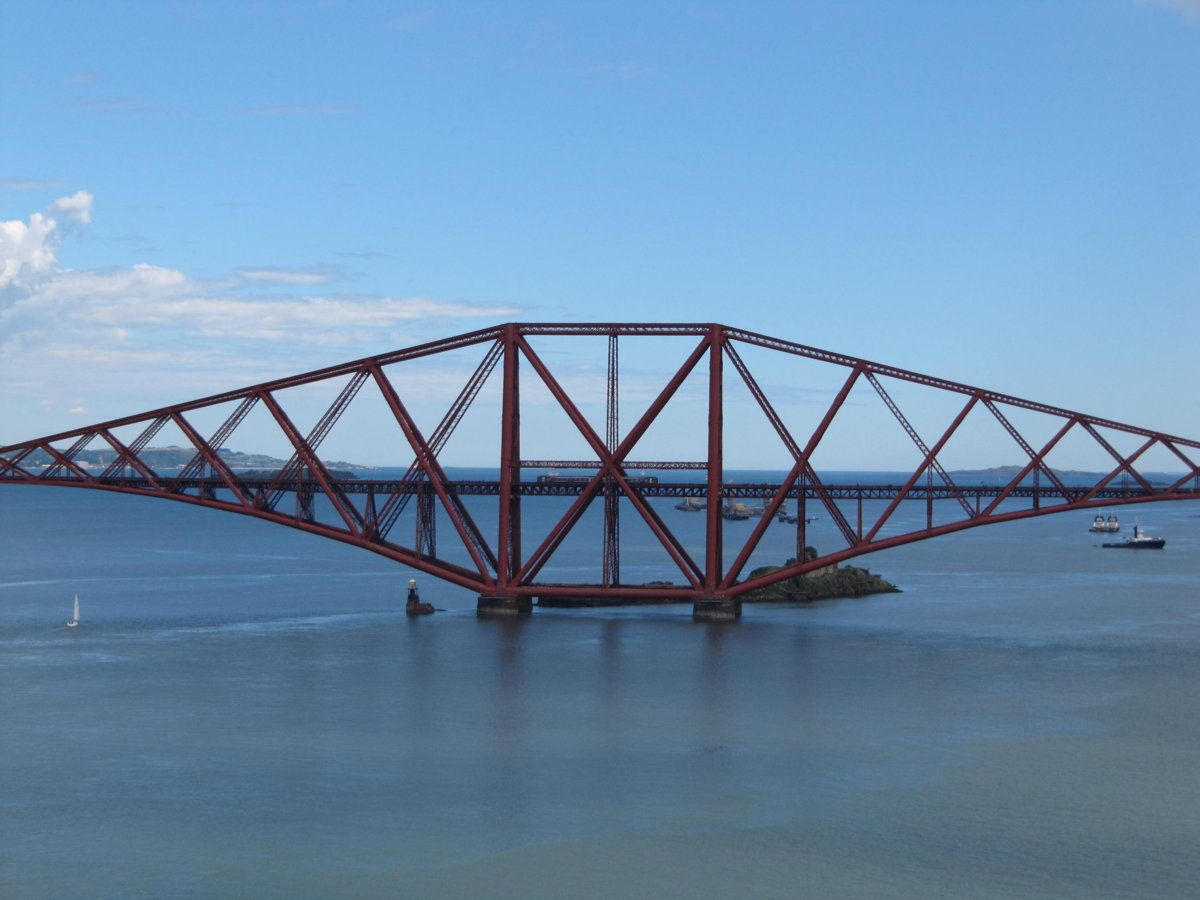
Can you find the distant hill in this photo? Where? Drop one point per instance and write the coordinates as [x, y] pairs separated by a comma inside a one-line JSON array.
[[173, 458], [1010, 472], [1004, 474]]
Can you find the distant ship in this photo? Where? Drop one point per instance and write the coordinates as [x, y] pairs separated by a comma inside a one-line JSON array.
[[792, 520], [1111, 525], [1139, 541], [74, 623], [691, 504], [736, 512]]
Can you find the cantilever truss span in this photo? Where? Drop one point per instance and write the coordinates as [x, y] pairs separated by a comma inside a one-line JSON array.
[[500, 557]]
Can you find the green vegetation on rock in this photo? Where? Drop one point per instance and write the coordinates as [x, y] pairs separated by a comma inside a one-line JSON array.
[[821, 584]]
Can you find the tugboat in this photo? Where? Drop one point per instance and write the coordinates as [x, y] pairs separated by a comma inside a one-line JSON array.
[[414, 606], [1111, 525], [1139, 541]]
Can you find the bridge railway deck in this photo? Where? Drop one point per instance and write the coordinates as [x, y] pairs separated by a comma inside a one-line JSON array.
[[667, 489]]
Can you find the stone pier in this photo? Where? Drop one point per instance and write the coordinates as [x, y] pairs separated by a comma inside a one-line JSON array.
[[503, 606], [716, 610]]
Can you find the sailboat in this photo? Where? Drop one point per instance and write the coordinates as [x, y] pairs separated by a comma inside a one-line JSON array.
[[74, 623]]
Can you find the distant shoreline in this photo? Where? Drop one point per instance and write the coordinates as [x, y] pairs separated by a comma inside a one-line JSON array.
[[174, 458]]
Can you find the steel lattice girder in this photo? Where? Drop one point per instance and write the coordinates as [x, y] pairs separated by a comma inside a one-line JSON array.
[[504, 569]]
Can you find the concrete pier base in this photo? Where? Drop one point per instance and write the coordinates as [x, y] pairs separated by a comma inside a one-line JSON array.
[[716, 610], [503, 606]]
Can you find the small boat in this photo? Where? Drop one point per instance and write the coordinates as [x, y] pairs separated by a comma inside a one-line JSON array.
[[792, 520], [74, 623], [691, 504], [1139, 541], [1111, 525]]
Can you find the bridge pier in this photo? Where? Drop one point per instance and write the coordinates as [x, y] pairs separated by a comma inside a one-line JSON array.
[[503, 607], [716, 610]]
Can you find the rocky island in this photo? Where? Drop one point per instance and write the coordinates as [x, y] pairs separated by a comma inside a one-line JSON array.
[[827, 583]]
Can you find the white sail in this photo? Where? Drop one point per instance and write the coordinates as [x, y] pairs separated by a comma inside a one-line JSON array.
[[76, 616]]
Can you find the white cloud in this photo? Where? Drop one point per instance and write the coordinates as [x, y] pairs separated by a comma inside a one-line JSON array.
[[29, 184], [1189, 9], [291, 276], [154, 302], [161, 299], [118, 339], [363, 254], [280, 111], [27, 250], [131, 105], [626, 69], [413, 20], [76, 208]]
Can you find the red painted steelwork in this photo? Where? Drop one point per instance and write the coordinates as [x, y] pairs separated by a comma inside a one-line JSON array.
[[502, 569]]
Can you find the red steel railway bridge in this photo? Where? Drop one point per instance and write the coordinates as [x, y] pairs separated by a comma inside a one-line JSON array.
[[503, 562]]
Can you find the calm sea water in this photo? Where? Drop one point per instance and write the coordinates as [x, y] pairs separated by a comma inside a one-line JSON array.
[[246, 711]]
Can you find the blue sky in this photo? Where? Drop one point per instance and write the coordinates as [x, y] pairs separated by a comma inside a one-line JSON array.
[[194, 196]]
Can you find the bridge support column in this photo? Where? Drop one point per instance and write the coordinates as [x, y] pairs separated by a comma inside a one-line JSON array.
[[715, 610], [498, 607]]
